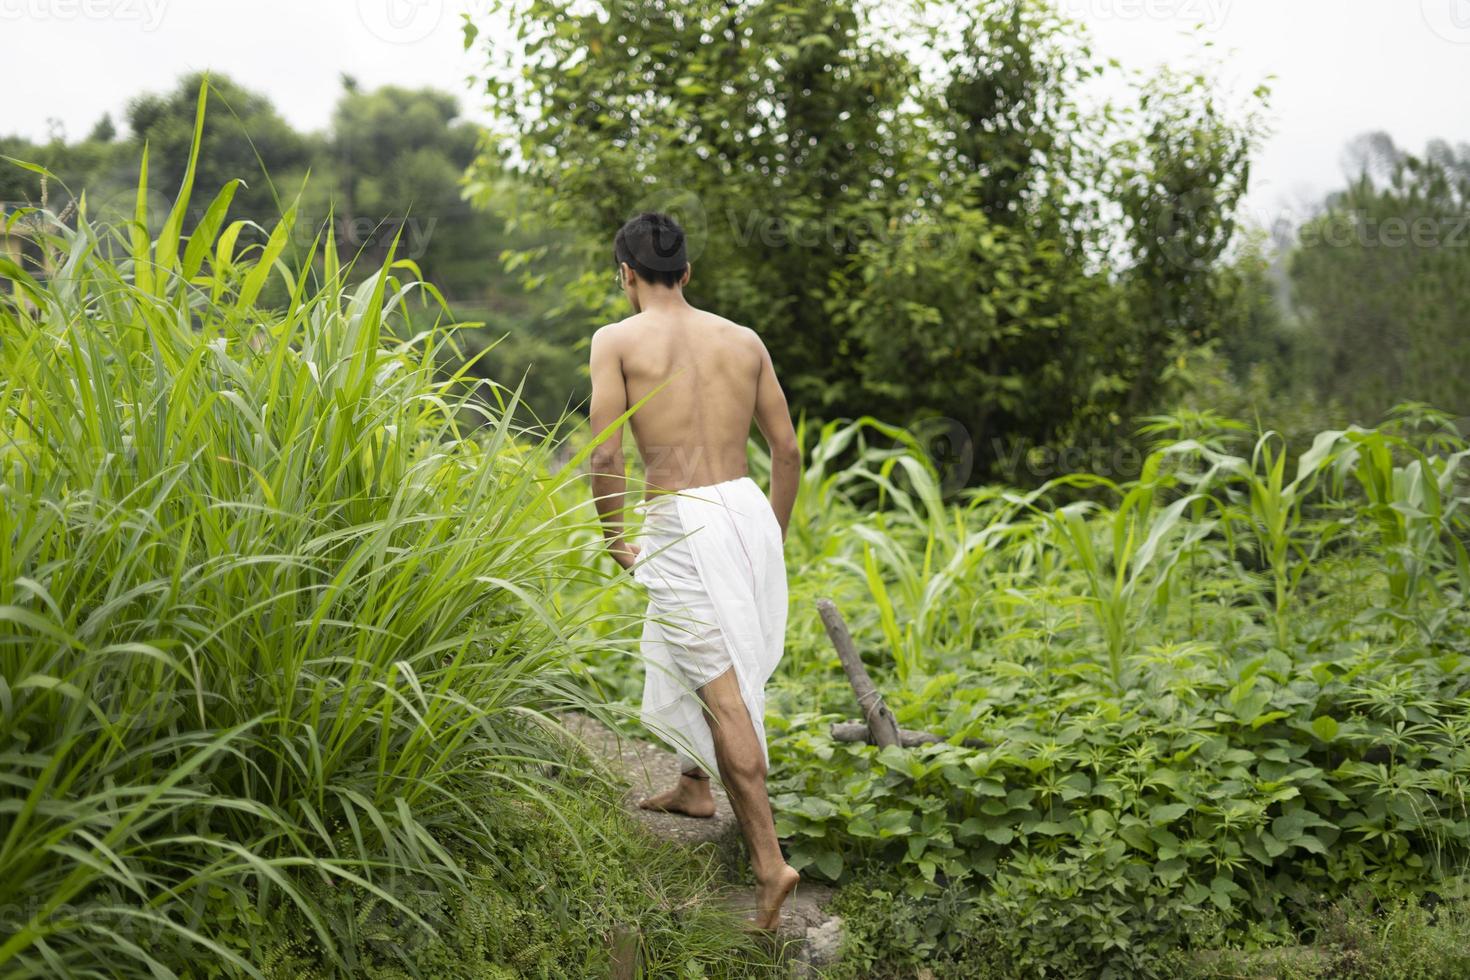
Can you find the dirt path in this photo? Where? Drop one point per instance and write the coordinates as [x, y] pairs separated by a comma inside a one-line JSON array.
[[813, 935]]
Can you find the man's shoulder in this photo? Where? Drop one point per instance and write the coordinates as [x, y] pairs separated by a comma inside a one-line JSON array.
[[613, 334], [739, 331]]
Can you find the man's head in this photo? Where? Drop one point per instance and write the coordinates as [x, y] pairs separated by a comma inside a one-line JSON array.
[[651, 253]]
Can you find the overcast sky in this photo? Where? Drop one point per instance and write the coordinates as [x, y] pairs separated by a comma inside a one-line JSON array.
[[1343, 67]]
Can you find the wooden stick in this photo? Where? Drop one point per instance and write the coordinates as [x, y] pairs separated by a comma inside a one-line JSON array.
[[625, 957], [856, 731], [880, 720]]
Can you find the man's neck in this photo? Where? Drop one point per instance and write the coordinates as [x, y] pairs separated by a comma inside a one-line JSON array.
[[662, 300]]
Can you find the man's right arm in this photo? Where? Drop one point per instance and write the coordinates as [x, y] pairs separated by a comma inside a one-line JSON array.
[[773, 417]]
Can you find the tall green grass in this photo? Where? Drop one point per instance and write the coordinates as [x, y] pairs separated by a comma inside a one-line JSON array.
[[282, 610]]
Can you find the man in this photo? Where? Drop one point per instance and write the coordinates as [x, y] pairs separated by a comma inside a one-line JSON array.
[[711, 556]]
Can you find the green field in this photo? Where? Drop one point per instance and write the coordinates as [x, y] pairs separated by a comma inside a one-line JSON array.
[[284, 606]]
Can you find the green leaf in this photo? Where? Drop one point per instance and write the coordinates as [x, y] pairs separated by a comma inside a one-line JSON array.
[[814, 808], [894, 757], [830, 864], [140, 243], [1324, 728], [1286, 829], [274, 246], [1167, 813], [892, 823], [204, 234], [168, 239], [1137, 836]]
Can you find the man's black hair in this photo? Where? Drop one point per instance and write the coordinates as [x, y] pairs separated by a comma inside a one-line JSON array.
[[653, 244]]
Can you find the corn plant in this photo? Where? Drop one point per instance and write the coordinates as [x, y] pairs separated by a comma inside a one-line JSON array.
[[1415, 507], [1258, 499], [1142, 550]]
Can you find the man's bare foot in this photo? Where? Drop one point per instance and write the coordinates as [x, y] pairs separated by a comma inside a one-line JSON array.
[[770, 895], [692, 798]]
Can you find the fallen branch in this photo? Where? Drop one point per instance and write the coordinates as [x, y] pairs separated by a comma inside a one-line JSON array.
[[856, 731], [879, 719]]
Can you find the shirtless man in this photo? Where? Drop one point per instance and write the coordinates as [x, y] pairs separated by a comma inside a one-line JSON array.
[[717, 377]]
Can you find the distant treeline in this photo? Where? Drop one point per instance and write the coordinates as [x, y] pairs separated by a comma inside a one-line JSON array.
[[390, 165], [973, 247]]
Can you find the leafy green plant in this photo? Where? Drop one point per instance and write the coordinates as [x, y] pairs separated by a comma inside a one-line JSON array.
[[1168, 762]]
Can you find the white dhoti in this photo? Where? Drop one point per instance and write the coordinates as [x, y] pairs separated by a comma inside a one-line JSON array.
[[713, 564]]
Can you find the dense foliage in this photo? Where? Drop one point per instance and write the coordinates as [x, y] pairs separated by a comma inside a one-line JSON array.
[[386, 172], [286, 597], [1380, 276], [964, 242], [278, 639], [1208, 701]]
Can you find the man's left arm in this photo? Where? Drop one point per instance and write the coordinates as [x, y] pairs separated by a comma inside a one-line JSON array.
[[609, 481]]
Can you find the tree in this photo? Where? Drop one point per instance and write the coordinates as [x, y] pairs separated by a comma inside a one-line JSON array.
[[1381, 281], [776, 132], [1180, 184], [244, 137], [909, 242], [104, 131], [397, 157]]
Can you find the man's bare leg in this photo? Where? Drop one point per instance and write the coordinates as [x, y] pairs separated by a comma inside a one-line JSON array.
[[692, 797], [743, 769]]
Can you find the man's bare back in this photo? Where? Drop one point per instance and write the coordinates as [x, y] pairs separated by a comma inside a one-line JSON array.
[[704, 374]]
